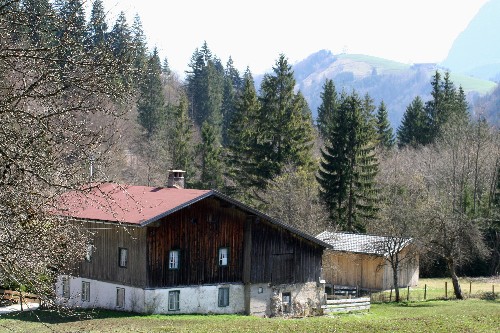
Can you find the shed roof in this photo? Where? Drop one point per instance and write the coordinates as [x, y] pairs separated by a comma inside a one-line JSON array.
[[142, 205], [357, 243]]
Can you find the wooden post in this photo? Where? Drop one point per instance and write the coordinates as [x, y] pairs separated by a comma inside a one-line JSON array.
[[493, 289], [470, 288], [408, 294], [425, 291], [446, 289], [390, 296]]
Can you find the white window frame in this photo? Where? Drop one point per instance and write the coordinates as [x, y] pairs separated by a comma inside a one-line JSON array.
[[85, 291], [120, 298], [65, 286], [122, 257], [223, 256], [174, 297], [223, 298], [173, 259]]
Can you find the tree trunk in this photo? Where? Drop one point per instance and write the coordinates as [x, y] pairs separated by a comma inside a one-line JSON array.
[[454, 278], [396, 282]]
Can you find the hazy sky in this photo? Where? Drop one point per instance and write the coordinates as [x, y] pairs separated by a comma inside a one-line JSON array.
[[255, 32]]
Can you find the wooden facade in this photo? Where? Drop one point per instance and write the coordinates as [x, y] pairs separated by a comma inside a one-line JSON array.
[[367, 271], [260, 250]]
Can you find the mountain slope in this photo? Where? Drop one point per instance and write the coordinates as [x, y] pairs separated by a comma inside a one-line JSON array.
[[395, 83], [476, 51]]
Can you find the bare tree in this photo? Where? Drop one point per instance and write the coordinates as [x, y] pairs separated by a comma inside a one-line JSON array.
[[402, 207], [293, 199], [58, 109]]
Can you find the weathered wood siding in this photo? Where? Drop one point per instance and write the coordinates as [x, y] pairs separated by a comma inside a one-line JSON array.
[[278, 256], [198, 232], [366, 271], [108, 238]]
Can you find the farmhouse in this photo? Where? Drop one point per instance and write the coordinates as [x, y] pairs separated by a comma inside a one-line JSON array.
[[176, 250], [359, 260]]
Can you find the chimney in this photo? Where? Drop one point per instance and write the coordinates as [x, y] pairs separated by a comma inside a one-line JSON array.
[[175, 179]]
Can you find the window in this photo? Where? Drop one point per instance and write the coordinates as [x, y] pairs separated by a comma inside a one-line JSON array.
[[85, 291], [173, 259], [173, 300], [123, 257], [223, 297], [120, 297], [90, 251], [286, 301], [65, 287], [223, 256]]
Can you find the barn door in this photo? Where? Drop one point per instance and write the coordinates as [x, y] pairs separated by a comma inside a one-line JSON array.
[[282, 268]]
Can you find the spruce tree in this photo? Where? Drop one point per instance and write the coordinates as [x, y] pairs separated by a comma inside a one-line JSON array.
[[138, 48], [151, 102], [328, 108], [242, 135], [385, 135], [232, 87], [413, 130], [348, 167], [180, 137], [209, 149], [285, 132], [97, 26]]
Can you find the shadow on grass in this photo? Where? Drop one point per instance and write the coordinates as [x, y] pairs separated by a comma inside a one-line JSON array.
[[65, 316]]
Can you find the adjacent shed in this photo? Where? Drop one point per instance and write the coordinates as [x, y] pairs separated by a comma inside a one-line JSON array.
[[358, 260]]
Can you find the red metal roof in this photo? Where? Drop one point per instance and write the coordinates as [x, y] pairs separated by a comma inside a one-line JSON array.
[[125, 203]]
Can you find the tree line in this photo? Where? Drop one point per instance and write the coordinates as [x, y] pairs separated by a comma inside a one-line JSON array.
[[75, 93]]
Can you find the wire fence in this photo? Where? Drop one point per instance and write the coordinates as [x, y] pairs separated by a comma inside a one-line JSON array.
[[438, 291]]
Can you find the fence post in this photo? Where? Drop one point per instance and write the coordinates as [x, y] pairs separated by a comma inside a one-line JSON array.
[[390, 296], [470, 288], [446, 289], [425, 292], [493, 289], [408, 294]]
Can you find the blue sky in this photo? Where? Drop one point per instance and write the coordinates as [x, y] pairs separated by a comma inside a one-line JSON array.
[[255, 32]]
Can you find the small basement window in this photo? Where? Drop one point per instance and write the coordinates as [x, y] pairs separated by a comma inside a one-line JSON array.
[[286, 298], [223, 297], [173, 300], [223, 256], [65, 287], [123, 257], [173, 259], [85, 291], [120, 297]]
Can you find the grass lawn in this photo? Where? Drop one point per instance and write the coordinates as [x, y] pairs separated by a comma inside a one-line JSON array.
[[472, 315]]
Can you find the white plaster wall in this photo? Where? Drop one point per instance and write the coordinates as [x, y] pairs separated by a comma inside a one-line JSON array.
[[196, 299], [260, 303], [102, 295]]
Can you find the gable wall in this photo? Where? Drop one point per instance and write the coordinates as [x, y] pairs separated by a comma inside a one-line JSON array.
[[198, 232]]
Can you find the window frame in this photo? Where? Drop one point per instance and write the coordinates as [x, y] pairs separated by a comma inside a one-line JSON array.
[[174, 297], [120, 298], [178, 257], [85, 291], [120, 251], [223, 297], [219, 258], [65, 286], [89, 252]]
